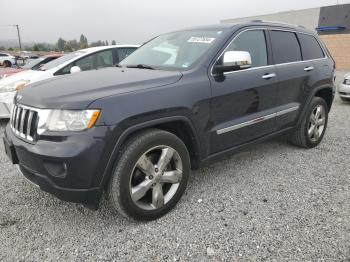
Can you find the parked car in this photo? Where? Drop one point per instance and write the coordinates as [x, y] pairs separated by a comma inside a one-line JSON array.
[[7, 60], [344, 88], [32, 64], [82, 60], [137, 130]]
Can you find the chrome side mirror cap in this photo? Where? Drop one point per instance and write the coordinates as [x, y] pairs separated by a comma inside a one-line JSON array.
[[75, 69], [233, 61]]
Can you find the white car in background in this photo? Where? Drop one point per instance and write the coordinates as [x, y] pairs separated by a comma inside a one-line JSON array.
[[344, 88], [7, 60], [81, 60]]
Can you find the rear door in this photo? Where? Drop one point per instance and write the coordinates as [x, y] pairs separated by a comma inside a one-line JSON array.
[[294, 76], [243, 102]]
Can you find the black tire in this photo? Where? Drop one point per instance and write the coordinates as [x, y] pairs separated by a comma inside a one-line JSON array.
[[7, 63], [301, 137], [345, 99], [119, 187]]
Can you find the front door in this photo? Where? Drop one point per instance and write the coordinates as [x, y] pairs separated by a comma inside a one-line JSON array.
[[243, 102]]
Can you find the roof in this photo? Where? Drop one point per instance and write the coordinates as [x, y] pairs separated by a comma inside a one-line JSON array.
[[99, 48], [53, 55], [228, 26]]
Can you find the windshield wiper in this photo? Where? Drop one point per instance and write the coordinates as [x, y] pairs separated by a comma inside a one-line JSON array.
[[141, 66]]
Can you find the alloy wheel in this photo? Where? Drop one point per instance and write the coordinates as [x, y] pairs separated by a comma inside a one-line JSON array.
[[156, 178], [317, 123]]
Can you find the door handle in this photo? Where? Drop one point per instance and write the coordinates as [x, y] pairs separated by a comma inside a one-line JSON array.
[[269, 76], [309, 68]]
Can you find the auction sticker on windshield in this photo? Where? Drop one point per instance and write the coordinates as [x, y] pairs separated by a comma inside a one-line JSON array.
[[204, 40]]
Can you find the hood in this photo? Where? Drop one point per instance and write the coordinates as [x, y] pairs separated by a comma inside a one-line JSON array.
[[78, 90], [30, 75]]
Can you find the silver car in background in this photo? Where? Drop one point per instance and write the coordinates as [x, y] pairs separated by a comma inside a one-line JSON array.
[[344, 88]]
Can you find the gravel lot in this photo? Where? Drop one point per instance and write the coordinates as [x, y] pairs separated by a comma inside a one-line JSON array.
[[271, 202]]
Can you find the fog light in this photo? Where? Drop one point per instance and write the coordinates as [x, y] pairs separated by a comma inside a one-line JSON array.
[[56, 169]]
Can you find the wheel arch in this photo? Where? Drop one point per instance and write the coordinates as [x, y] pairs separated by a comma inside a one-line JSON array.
[[325, 92], [180, 126]]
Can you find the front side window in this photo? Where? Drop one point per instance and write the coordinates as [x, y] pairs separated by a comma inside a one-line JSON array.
[[104, 59], [174, 51], [94, 61], [254, 42], [310, 48], [285, 47]]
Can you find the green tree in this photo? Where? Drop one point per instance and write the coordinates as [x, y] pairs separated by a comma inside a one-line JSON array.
[[36, 48], [114, 42], [106, 42], [60, 44], [10, 49], [83, 42], [68, 47]]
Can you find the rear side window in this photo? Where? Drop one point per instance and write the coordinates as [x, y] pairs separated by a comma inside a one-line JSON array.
[[310, 47], [253, 42], [124, 52], [285, 47]]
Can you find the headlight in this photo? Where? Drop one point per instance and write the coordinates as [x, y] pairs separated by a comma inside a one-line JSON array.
[[347, 81], [14, 86], [66, 120]]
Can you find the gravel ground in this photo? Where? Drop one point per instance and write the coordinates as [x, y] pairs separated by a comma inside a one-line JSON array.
[[271, 202]]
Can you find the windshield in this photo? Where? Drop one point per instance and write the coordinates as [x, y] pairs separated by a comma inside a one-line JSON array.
[[174, 51], [61, 60], [32, 63]]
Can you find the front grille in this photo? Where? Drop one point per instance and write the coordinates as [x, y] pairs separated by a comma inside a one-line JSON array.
[[24, 122]]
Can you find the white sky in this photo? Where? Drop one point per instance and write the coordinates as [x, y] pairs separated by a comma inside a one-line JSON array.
[[127, 21]]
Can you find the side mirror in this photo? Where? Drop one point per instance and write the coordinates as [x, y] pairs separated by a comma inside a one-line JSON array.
[[233, 61], [75, 69]]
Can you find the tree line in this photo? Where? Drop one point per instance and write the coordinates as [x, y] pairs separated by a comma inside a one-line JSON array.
[[63, 45]]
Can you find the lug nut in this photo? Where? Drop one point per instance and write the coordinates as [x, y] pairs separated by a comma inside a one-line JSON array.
[[150, 177], [156, 170], [153, 185]]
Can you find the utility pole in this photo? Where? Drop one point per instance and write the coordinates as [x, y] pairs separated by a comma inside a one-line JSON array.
[[19, 38]]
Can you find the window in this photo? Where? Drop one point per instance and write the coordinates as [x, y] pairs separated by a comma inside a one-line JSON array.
[[85, 63], [104, 59], [124, 52], [253, 42], [310, 47], [285, 47]]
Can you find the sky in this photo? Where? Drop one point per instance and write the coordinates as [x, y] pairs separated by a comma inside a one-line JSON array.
[[127, 21]]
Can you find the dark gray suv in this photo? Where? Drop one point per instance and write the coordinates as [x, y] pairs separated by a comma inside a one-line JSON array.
[[181, 100]]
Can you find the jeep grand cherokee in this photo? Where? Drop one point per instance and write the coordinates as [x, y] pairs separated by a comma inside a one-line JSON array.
[[184, 98]]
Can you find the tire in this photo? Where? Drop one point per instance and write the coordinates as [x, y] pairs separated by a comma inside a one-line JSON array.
[[136, 169], [310, 132], [7, 63]]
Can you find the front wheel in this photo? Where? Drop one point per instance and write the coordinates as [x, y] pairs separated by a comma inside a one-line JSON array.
[[150, 176], [7, 64], [313, 127]]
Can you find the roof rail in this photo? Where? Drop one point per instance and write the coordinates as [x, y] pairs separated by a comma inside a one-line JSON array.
[[275, 22]]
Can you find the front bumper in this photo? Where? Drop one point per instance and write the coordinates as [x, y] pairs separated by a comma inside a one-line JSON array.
[[71, 168], [344, 91]]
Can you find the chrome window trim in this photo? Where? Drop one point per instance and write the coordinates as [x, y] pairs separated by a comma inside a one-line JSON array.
[[267, 66], [256, 120]]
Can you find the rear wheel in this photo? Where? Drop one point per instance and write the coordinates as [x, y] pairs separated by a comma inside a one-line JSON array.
[[312, 129], [150, 175], [7, 63]]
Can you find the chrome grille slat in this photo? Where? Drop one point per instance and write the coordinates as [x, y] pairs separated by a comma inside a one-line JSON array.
[[23, 122], [29, 122]]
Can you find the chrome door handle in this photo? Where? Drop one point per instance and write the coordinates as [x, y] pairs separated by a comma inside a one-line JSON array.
[[269, 76], [309, 68]]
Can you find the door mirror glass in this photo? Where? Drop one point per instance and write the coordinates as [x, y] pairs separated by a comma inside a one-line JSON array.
[[75, 69], [233, 61]]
